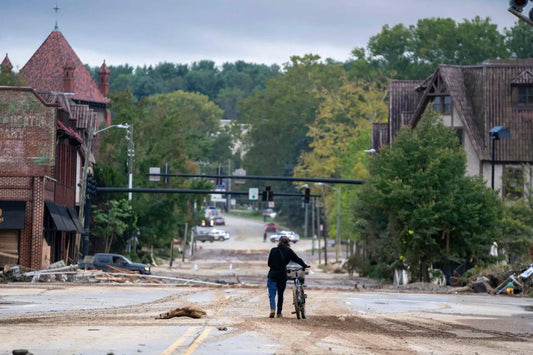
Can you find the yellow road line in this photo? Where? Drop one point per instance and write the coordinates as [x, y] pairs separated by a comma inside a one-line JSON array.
[[178, 342], [198, 341], [223, 306]]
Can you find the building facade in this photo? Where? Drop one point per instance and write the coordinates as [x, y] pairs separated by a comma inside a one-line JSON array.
[[474, 100], [44, 129]]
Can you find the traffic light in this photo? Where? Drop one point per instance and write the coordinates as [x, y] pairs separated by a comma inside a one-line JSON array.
[[219, 179], [267, 195], [518, 4], [307, 195], [90, 185]]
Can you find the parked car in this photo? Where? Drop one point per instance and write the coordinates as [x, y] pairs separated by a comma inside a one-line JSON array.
[[107, 262], [210, 235], [270, 228], [269, 212], [293, 237], [219, 221], [219, 234]]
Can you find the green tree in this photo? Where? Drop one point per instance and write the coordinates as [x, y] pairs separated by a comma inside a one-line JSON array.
[[517, 226], [415, 52], [519, 40], [280, 116], [339, 135], [435, 214], [390, 49], [112, 221], [179, 129]]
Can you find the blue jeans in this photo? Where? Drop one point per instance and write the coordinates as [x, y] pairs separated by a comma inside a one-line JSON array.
[[274, 286]]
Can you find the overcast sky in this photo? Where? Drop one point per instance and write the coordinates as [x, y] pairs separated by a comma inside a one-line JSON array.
[[140, 32]]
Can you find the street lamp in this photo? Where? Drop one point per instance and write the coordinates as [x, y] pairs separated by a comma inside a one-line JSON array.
[[84, 206], [338, 237], [495, 134], [131, 150]]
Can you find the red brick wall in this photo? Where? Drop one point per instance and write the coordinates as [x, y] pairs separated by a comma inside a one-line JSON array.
[[27, 155], [27, 133]]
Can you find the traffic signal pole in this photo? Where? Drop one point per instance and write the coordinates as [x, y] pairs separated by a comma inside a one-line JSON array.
[[270, 178]]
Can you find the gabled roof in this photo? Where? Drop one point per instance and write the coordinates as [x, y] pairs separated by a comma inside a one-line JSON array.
[[525, 78], [482, 98], [449, 80], [44, 70]]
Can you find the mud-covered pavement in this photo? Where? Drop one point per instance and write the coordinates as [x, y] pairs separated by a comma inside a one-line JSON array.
[[67, 318], [121, 319]]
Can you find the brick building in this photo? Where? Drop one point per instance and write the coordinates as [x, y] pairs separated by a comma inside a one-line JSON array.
[[43, 134]]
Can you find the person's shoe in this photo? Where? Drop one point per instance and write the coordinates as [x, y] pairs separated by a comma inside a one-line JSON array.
[[272, 313], [279, 315]]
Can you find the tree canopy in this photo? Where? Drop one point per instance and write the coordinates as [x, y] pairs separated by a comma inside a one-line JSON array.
[[435, 213]]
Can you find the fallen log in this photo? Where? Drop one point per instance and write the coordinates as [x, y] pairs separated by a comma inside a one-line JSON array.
[[183, 312]]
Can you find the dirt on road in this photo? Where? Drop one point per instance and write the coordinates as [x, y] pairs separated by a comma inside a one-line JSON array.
[[240, 316]]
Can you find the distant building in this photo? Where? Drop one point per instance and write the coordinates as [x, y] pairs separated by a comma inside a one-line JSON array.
[[43, 134], [474, 99]]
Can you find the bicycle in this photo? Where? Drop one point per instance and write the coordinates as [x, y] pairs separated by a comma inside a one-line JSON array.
[[297, 274]]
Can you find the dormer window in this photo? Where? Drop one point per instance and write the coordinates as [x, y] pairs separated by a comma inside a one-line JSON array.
[[522, 89], [442, 104]]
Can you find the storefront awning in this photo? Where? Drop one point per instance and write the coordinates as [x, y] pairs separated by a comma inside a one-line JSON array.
[[12, 214], [75, 219], [61, 217]]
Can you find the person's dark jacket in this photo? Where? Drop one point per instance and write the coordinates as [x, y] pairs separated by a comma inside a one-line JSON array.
[[278, 264]]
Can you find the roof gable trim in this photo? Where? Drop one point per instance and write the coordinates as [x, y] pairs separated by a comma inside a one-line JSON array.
[[524, 78]]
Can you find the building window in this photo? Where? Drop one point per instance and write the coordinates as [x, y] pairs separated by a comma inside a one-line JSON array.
[[459, 135], [442, 104], [447, 104], [513, 183], [525, 95]]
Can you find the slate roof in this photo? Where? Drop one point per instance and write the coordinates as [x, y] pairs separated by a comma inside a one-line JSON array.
[[78, 116], [482, 98], [44, 70], [403, 96]]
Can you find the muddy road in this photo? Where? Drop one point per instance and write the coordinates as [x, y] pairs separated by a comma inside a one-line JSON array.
[[121, 319], [118, 318]]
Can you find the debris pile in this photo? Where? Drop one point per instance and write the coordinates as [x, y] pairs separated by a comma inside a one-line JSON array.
[[60, 272], [510, 283]]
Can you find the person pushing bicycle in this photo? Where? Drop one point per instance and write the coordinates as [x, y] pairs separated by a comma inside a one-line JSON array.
[[278, 259]]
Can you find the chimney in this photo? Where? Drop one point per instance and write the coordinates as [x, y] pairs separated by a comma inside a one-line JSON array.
[[103, 79], [68, 77], [6, 66]]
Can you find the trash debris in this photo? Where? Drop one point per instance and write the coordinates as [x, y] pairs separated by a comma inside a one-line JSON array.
[[515, 284], [183, 312]]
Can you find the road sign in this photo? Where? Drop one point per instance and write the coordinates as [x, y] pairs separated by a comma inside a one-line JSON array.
[[253, 193], [155, 171]]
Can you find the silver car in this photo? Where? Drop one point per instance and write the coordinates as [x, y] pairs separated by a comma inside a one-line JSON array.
[[293, 237]]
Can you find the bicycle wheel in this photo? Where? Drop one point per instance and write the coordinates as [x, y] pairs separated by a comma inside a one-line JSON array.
[[296, 302], [302, 302]]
